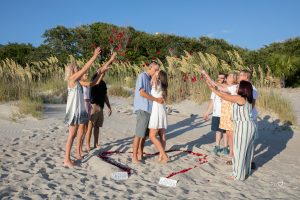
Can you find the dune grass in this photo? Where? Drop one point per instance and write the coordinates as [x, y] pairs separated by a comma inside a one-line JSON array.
[[44, 81], [271, 100], [118, 90], [29, 106]]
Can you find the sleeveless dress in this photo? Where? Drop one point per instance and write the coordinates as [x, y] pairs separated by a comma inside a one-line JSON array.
[[158, 118], [243, 142], [75, 111], [226, 122], [225, 119]]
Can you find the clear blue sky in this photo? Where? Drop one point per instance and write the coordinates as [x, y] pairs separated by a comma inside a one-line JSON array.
[[251, 24]]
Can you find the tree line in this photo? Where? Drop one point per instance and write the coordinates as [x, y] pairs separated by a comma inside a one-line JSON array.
[[282, 58]]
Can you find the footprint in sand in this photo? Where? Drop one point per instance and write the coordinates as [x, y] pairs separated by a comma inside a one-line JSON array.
[[32, 136], [52, 186]]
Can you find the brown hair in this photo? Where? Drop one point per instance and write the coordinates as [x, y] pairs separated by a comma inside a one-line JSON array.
[[246, 90], [234, 77], [249, 73], [163, 77]]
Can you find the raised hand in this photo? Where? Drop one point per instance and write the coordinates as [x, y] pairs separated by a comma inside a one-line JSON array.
[[107, 64], [113, 56], [97, 52]]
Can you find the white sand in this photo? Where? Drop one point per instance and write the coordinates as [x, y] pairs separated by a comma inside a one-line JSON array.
[[32, 154]]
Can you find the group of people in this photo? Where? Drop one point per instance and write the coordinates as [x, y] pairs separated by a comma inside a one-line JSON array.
[[234, 116], [85, 102], [232, 103]]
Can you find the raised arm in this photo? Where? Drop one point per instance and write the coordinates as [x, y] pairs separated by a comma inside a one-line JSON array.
[[105, 67], [76, 76], [100, 72], [221, 87], [225, 96], [96, 81]]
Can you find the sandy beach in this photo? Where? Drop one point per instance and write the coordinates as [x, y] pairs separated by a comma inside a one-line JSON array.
[[32, 159]]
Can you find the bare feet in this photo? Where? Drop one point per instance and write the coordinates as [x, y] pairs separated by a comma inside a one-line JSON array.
[[159, 158], [135, 161], [164, 160], [79, 157], [97, 146], [229, 162], [231, 178], [69, 163], [139, 156], [87, 150]]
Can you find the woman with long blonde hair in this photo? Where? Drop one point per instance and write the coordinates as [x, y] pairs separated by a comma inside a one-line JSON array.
[[76, 115]]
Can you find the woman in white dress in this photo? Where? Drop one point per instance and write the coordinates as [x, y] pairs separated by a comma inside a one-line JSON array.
[[158, 119]]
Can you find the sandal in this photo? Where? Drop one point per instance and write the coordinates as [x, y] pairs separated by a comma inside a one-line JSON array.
[[229, 162]]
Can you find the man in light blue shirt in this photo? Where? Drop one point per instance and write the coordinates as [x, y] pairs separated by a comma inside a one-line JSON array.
[[143, 107]]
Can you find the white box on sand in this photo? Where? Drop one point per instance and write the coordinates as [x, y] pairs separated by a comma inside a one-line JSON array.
[[167, 182], [118, 176]]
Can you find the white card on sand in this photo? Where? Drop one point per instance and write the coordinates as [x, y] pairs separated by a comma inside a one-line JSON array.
[[119, 176], [167, 182]]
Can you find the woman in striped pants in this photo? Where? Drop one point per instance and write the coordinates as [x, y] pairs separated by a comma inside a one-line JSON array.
[[244, 128]]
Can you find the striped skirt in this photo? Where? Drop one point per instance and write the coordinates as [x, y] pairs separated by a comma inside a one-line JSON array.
[[243, 148]]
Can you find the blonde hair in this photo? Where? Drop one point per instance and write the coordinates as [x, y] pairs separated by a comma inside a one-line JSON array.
[[234, 74], [70, 70]]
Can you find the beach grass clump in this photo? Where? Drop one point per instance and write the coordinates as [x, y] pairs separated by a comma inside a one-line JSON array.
[[29, 106], [118, 90], [271, 100]]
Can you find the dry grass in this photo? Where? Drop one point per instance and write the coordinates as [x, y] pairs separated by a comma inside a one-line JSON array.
[[33, 107], [117, 90], [44, 80], [27, 81], [270, 100]]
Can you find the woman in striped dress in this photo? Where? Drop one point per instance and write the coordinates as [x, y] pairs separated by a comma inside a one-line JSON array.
[[244, 128]]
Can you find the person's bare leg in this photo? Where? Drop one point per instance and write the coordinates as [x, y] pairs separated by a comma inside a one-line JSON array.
[[88, 136], [218, 138], [230, 143], [83, 137], [162, 137], [158, 145], [135, 146], [225, 137], [72, 133], [96, 137], [79, 141], [141, 149]]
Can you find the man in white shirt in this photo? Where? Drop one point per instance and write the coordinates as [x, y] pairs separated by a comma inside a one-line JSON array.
[[215, 106]]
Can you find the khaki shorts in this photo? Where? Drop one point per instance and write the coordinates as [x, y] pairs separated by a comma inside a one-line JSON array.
[[97, 117]]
